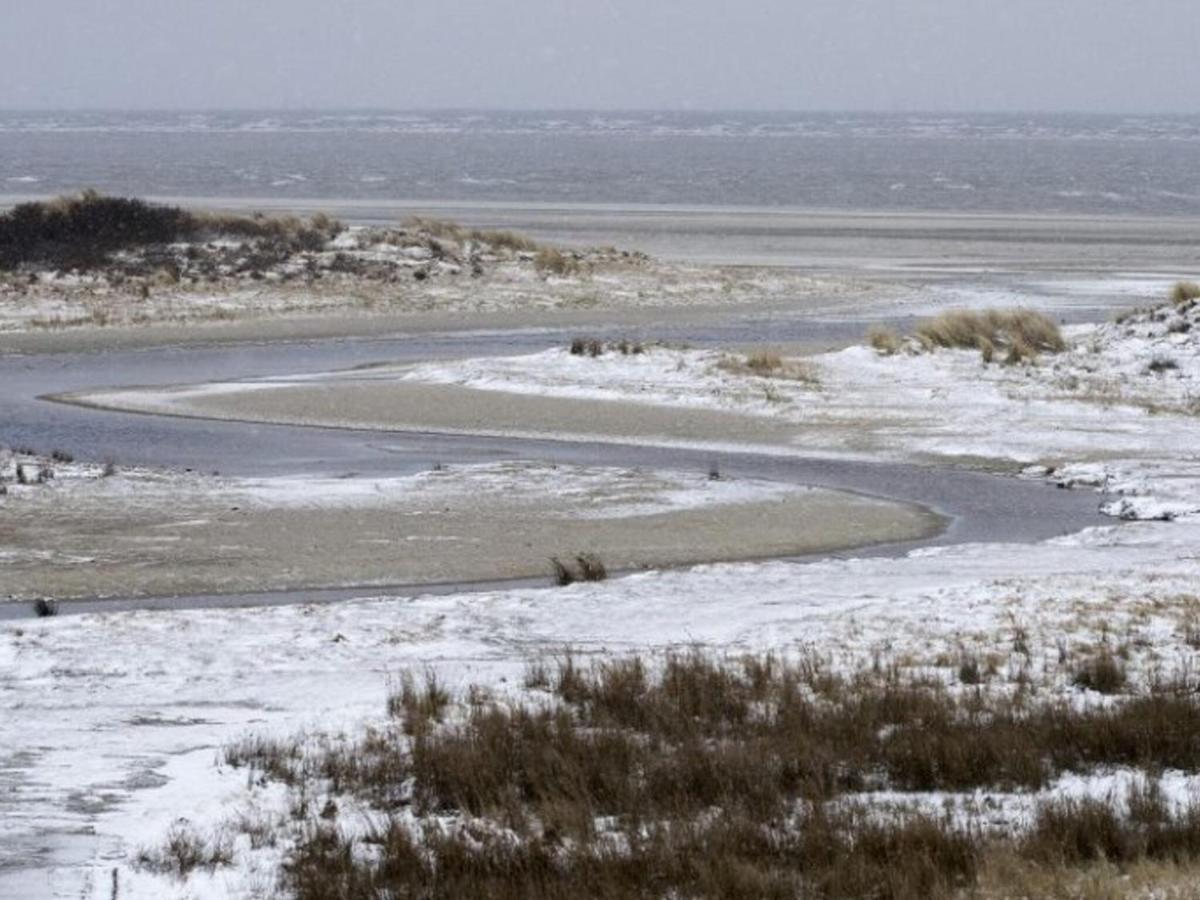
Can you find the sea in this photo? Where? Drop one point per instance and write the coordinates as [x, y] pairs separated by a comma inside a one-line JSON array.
[[1004, 163]]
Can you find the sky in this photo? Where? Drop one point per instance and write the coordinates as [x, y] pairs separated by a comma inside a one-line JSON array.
[[882, 55]]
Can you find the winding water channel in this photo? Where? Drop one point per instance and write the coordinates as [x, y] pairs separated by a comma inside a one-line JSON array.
[[979, 506]]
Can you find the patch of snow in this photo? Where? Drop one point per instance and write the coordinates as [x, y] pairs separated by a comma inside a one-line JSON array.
[[120, 717]]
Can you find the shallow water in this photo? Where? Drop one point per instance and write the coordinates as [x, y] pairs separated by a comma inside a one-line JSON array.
[[950, 163]]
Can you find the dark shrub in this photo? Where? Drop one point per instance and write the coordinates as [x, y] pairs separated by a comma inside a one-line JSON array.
[[79, 232]]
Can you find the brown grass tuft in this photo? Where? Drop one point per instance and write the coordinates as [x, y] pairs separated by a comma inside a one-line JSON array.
[[418, 707], [885, 340], [766, 364], [1103, 673], [505, 240], [550, 261], [1184, 291], [1023, 334], [184, 851], [435, 228]]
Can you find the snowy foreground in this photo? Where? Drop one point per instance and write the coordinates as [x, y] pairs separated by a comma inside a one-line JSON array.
[[114, 724]]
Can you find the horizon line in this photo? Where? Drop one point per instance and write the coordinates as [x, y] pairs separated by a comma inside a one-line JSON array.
[[577, 110]]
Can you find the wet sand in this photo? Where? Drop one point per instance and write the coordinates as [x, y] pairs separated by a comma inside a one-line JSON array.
[[200, 537], [300, 328], [820, 241], [392, 406]]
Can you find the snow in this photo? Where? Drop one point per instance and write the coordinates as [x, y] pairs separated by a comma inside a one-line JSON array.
[[1119, 406], [113, 723], [122, 716], [657, 376], [590, 492]]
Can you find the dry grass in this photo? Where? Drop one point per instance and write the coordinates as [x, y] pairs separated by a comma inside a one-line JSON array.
[[699, 777], [729, 857], [1073, 830], [1184, 291], [885, 340], [582, 346], [1018, 334], [290, 233], [550, 261], [418, 707], [1102, 672], [766, 364], [505, 240], [494, 239], [184, 850], [437, 228], [1005, 875], [79, 231]]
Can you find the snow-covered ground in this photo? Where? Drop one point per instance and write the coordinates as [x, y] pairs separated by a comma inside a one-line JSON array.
[[1120, 408], [572, 491], [367, 271], [114, 723]]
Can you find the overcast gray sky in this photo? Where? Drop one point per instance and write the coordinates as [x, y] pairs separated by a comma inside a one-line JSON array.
[[1105, 55]]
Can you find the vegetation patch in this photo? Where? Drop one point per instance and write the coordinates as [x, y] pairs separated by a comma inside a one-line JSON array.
[[1008, 335], [184, 850], [1016, 334], [700, 777], [885, 340], [550, 261], [81, 231], [766, 364], [1184, 292], [594, 347], [452, 231], [584, 567]]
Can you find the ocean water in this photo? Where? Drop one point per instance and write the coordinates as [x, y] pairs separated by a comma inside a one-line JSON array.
[[1100, 165]]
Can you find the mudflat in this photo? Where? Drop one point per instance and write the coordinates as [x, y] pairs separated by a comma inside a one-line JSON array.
[[150, 534]]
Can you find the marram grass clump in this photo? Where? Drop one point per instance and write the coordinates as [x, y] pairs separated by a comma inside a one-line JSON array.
[[884, 339], [1011, 335], [1185, 291]]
